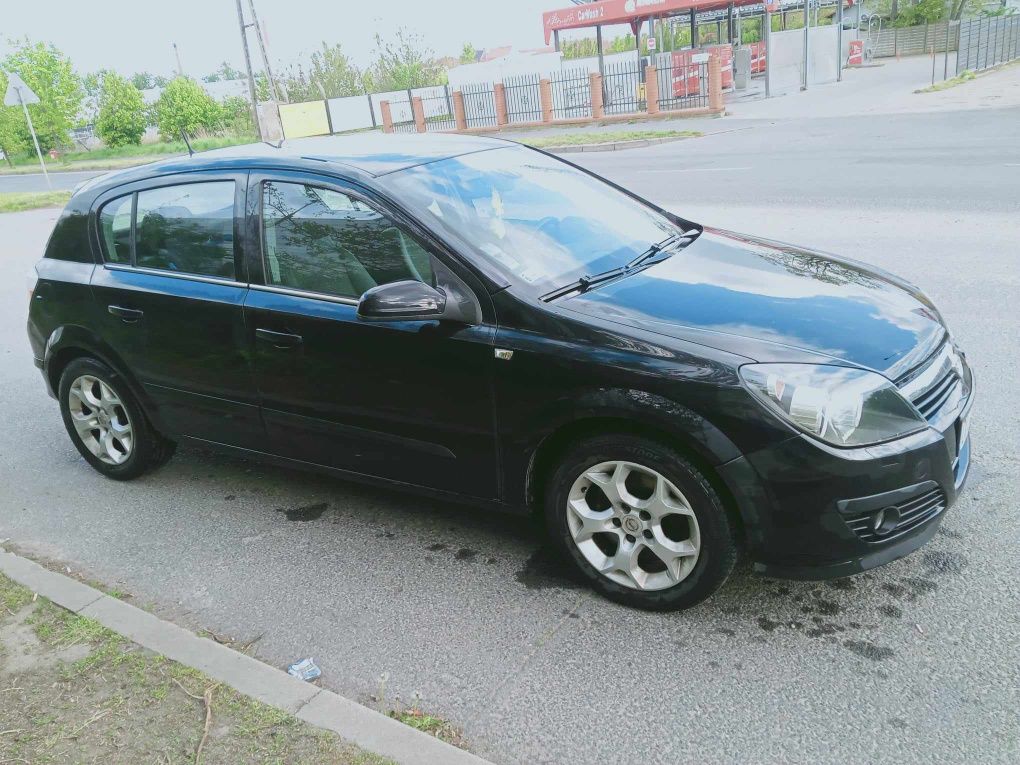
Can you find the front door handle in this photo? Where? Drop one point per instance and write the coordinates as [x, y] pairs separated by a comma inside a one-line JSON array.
[[278, 339], [127, 314]]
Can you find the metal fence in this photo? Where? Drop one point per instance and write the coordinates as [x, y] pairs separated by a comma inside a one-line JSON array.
[[907, 41], [400, 111], [437, 107], [988, 42], [682, 84], [523, 98], [571, 94], [623, 88], [479, 105]]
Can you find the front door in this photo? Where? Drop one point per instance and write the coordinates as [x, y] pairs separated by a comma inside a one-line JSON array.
[[170, 297], [409, 401]]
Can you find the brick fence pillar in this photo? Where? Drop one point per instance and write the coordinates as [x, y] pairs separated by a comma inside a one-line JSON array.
[[715, 99], [458, 110], [419, 114], [651, 90], [499, 94], [387, 116], [597, 106], [545, 97]]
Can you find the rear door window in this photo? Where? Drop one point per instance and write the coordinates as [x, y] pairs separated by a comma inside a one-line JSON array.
[[115, 228], [187, 228]]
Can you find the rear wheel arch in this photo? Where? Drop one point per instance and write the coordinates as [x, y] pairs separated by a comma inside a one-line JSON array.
[[69, 343]]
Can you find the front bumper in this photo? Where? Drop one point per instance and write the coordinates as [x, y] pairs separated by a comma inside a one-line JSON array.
[[809, 510]]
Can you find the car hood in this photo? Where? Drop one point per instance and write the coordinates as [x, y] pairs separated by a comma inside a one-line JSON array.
[[773, 302]]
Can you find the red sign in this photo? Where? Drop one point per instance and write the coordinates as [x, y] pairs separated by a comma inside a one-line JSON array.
[[856, 56], [624, 11]]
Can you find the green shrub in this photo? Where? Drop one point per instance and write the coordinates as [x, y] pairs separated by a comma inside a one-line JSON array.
[[184, 105], [121, 119]]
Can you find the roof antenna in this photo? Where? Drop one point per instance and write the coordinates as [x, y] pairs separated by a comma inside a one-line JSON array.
[[191, 152]]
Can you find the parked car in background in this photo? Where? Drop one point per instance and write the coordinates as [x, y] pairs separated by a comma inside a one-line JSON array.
[[483, 322]]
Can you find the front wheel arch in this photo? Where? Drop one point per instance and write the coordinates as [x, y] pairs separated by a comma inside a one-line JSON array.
[[546, 457]]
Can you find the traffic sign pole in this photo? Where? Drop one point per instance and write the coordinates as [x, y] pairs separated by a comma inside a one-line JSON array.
[[35, 140]]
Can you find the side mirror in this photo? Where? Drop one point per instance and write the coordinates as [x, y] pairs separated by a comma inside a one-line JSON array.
[[407, 300]]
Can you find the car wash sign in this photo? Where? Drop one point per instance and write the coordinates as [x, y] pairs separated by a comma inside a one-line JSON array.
[[614, 12]]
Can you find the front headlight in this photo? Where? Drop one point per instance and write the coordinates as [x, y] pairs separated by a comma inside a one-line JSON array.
[[841, 406]]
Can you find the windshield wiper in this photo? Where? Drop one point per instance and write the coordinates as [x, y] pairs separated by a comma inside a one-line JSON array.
[[646, 258], [666, 244], [585, 283]]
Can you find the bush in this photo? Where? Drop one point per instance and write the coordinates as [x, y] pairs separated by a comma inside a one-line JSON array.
[[184, 105], [237, 116], [121, 119], [49, 73]]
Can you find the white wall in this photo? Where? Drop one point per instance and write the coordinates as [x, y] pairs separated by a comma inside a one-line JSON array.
[[508, 66], [786, 57], [351, 113]]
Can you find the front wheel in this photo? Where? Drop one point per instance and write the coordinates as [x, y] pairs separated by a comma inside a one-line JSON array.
[[106, 423], [642, 524]]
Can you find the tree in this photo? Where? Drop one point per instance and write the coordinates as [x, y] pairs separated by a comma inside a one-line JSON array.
[[237, 116], [468, 54], [224, 72], [184, 105], [121, 118], [142, 80], [335, 73], [49, 73], [404, 63]]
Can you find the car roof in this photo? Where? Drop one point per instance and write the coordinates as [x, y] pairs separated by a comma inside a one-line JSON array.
[[370, 154]]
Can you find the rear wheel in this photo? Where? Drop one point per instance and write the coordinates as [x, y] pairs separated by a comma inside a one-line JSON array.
[[106, 423], [642, 524]]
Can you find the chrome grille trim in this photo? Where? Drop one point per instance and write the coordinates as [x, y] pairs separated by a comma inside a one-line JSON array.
[[935, 383], [913, 513]]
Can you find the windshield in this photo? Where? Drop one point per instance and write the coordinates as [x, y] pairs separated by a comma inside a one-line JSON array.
[[541, 220]]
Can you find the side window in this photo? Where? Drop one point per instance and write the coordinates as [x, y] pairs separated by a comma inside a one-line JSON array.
[[187, 228], [324, 241], [115, 229]]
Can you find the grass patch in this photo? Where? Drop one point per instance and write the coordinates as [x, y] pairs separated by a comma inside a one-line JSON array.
[[75, 691], [16, 201], [965, 76], [615, 136], [426, 723], [124, 156]]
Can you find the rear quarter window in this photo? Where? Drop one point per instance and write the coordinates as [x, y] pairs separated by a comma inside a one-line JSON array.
[[115, 230]]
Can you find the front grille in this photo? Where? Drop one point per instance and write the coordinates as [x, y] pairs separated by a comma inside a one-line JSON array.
[[936, 384], [913, 513], [930, 401]]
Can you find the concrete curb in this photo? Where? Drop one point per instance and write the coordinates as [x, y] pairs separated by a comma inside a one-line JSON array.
[[353, 722], [615, 145]]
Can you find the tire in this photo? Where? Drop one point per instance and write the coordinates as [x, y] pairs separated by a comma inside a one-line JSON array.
[[90, 393], [580, 498]]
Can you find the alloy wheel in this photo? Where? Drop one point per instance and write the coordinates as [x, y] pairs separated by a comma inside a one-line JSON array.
[[633, 525], [100, 419]]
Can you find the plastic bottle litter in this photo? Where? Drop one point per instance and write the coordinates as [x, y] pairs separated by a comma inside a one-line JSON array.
[[304, 669]]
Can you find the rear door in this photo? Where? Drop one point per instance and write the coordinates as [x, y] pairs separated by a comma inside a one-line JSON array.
[[170, 296], [409, 401]]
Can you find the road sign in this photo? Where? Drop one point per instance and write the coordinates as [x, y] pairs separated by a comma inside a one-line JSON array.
[[18, 92]]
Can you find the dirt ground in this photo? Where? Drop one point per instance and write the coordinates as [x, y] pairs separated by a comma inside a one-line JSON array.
[[72, 691]]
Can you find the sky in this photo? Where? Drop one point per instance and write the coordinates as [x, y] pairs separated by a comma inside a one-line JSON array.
[[127, 37]]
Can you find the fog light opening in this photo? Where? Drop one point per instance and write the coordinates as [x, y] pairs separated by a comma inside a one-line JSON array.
[[885, 520]]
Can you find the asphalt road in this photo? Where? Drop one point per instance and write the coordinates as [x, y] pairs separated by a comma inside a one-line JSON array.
[[37, 181], [398, 598]]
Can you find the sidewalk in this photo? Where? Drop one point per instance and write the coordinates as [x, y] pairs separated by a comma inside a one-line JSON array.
[[85, 676]]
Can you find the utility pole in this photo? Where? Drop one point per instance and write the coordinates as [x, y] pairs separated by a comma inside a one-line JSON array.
[[177, 54], [807, 25], [262, 47], [247, 64], [839, 40]]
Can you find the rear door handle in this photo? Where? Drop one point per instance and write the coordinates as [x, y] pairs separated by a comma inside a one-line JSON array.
[[127, 314], [278, 339]]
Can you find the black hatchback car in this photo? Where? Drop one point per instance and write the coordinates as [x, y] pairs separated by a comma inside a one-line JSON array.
[[481, 321]]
